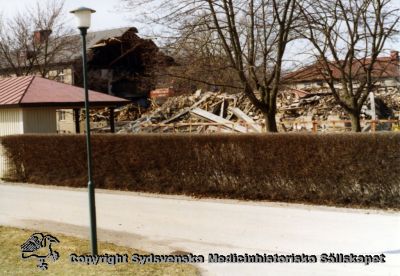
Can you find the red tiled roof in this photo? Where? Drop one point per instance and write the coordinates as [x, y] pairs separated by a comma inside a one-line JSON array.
[[385, 67], [37, 91]]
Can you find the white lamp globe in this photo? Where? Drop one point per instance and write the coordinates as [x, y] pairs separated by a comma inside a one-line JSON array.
[[83, 16]]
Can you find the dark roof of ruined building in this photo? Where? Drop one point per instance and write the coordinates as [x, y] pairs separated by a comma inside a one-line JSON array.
[[92, 39], [72, 50], [128, 52]]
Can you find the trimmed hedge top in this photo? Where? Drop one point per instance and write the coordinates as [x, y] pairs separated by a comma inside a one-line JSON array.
[[338, 169]]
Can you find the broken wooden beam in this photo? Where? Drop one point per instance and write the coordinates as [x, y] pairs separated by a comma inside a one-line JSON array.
[[186, 110], [243, 116], [217, 119]]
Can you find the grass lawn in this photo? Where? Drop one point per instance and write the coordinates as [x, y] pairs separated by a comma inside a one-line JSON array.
[[11, 262]]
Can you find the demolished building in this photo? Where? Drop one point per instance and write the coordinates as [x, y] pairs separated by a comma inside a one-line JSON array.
[[312, 108], [123, 64], [208, 112], [120, 63]]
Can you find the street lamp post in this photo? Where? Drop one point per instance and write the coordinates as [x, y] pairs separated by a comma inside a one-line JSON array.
[[83, 18]]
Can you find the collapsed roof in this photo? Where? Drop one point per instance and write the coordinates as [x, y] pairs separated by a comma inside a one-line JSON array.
[[105, 48], [127, 52], [123, 64]]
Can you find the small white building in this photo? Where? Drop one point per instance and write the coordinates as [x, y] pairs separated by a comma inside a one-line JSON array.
[[29, 105]]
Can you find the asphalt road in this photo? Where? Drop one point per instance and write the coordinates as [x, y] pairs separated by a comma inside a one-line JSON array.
[[163, 224]]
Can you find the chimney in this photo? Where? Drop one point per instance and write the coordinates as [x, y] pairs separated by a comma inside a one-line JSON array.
[[394, 55], [41, 36]]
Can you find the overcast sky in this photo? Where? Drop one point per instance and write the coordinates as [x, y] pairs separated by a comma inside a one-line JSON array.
[[108, 16]]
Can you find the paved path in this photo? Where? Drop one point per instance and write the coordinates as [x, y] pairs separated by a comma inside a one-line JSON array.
[[163, 224]]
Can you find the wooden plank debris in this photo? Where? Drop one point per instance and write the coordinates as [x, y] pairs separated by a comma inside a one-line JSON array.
[[296, 112], [217, 119], [243, 116], [180, 114]]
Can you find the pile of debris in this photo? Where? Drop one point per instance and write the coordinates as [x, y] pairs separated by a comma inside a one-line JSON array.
[[318, 105], [190, 112], [205, 112], [126, 113], [390, 96], [222, 112]]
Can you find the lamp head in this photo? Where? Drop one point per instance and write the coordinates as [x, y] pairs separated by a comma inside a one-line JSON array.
[[83, 16]]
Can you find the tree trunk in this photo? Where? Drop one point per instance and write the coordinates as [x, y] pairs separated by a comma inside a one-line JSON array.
[[355, 121], [270, 121]]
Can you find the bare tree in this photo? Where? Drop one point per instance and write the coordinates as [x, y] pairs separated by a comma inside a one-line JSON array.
[[36, 39], [348, 36], [253, 35], [201, 61]]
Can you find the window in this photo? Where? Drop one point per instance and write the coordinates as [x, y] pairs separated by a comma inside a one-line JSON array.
[[61, 115], [60, 75]]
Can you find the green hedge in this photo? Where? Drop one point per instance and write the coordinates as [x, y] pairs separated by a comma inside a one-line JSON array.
[[336, 169]]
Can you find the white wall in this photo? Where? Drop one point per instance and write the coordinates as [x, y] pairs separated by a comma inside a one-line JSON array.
[[11, 121], [66, 124], [39, 120]]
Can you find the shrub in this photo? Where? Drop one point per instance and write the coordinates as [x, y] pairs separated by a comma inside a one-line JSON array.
[[337, 169]]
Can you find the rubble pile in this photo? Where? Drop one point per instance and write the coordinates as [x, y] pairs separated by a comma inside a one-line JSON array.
[[182, 109], [204, 112], [234, 112], [390, 96], [128, 112], [319, 105]]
